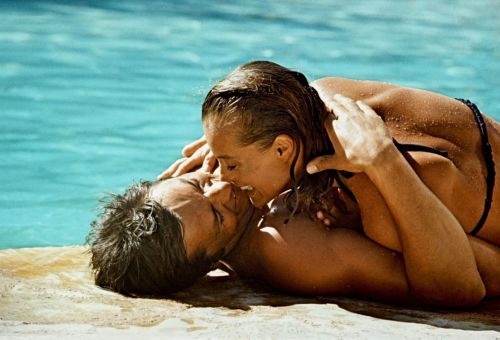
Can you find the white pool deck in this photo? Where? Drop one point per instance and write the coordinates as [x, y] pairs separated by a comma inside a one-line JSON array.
[[48, 293]]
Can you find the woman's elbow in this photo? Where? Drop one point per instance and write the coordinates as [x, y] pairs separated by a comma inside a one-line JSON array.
[[458, 296], [468, 297]]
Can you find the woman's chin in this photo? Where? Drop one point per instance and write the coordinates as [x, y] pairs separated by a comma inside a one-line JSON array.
[[253, 201], [258, 203]]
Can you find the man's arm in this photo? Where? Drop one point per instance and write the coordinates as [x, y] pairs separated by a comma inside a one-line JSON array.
[[303, 257]]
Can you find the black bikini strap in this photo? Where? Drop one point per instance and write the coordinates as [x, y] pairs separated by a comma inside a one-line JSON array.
[[488, 159], [418, 147], [487, 154], [401, 147], [342, 184]]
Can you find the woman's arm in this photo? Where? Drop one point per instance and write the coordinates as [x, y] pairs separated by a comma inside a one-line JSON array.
[[438, 257]]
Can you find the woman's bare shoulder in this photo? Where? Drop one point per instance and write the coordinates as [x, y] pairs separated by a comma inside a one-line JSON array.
[[418, 108], [352, 88]]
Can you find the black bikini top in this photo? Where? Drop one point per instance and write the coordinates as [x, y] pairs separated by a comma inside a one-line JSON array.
[[487, 154], [402, 148]]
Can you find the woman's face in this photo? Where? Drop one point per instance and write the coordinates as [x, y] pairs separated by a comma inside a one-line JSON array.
[[214, 214], [264, 174]]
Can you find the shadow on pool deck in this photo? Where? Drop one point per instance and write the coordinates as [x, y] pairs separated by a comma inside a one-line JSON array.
[[234, 293]]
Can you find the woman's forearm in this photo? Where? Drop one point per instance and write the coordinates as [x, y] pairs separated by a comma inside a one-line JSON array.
[[439, 260]]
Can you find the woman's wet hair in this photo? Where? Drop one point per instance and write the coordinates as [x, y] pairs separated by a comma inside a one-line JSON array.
[[263, 100], [137, 246]]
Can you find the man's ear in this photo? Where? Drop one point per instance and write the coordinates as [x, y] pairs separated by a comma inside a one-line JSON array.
[[283, 147]]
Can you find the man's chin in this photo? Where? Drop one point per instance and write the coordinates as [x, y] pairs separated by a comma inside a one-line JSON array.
[[244, 215], [241, 228], [243, 204]]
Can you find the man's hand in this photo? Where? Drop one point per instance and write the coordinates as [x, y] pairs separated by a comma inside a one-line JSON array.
[[340, 211], [358, 135], [196, 155]]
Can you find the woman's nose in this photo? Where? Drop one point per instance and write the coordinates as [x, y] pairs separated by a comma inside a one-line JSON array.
[[226, 176], [219, 190]]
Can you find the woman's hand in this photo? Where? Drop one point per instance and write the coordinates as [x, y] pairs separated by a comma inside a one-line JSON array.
[[358, 135], [196, 155]]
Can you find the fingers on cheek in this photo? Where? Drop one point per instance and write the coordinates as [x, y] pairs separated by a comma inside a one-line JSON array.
[[337, 108], [207, 162], [175, 166]]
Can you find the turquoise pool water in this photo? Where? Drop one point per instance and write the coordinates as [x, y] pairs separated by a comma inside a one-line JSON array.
[[97, 94]]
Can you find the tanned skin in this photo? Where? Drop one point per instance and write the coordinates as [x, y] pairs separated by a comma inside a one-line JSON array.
[[303, 256], [416, 207], [426, 118]]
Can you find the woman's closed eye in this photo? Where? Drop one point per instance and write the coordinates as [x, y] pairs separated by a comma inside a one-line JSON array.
[[231, 167]]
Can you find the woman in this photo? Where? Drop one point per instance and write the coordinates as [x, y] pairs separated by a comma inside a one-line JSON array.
[[437, 135], [264, 123]]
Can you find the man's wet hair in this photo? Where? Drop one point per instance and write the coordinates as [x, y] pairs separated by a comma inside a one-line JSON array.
[[137, 246]]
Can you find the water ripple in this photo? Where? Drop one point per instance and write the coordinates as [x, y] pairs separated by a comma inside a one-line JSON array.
[[96, 94]]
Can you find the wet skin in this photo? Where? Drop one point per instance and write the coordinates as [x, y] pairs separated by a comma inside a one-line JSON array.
[[395, 217], [412, 116], [301, 256], [214, 214], [266, 171], [405, 204]]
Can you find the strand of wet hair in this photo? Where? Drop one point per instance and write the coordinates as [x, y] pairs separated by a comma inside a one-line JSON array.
[[295, 188]]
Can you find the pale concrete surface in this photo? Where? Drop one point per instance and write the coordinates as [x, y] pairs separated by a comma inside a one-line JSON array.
[[48, 293]]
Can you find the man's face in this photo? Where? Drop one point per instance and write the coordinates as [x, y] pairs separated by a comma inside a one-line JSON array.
[[214, 214]]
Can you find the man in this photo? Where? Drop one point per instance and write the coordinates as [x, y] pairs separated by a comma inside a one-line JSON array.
[[158, 238]]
